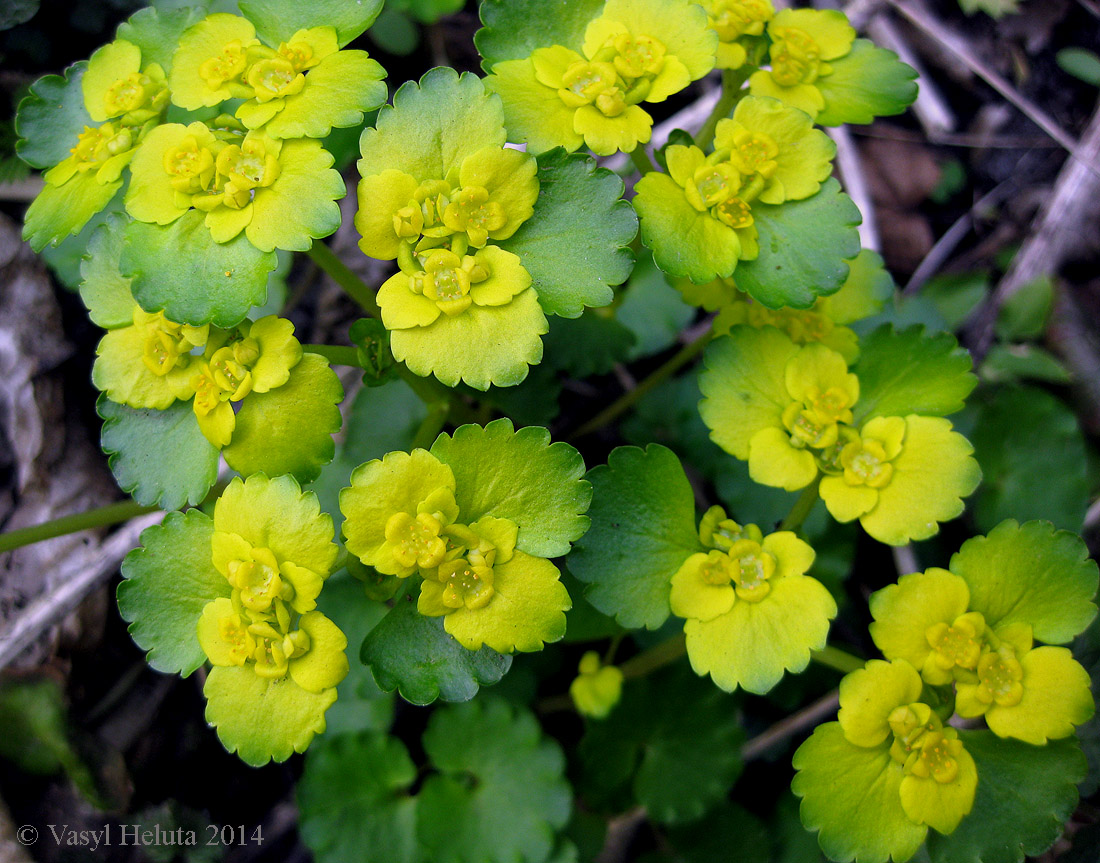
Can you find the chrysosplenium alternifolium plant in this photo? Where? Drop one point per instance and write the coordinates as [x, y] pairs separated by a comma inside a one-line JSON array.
[[190, 156]]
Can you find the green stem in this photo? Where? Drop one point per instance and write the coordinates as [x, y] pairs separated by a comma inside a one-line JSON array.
[[641, 160], [837, 659], [354, 286], [101, 517], [335, 354], [432, 425], [732, 80], [682, 357], [802, 507], [656, 657]]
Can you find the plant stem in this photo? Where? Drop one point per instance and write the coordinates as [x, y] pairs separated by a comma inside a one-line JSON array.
[[641, 160], [656, 657], [337, 355], [680, 359], [837, 659], [354, 286], [732, 79], [100, 517], [432, 425], [802, 507]]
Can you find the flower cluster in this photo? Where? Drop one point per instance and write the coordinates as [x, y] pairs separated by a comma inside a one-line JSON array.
[[260, 170], [739, 24], [751, 611], [698, 218], [460, 307], [155, 361], [403, 518], [127, 97], [793, 412], [957, 642], [269, 626], [636, 51]]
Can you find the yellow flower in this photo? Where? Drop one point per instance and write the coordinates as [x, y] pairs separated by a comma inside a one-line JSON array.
[[635, 51], [804, 41], [596, 689], [733, 19]]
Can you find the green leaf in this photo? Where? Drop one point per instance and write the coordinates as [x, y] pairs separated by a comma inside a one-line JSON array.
[[864, 293], [575, 244], [36, 735], [805, 247], [104, 290], [260, 719], [533, 401], [17, 12], [728, 833], [180, 269], [653, 310], [993, 8], [166, 584], [354, 800], [1011, 363], [60, 212], [360, 704], [1026, 439], [159, 457], [681, 763], [1030, 573], [588, 345], [956, 295], [67, 257], [851, 798], [51, 118], [867, 83], [395, 32], [643, 529], [278, 20], [288, 430], [513, 29], [429, 11], [1080, 63], [432, 126], [910, 372], [411, 653], [1024, 314], [1025, 796], [501, 792], [521, 476], [157, 33]]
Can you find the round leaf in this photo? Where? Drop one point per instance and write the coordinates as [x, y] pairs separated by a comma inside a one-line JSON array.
[[51, 117], [643, 529], [432, 126], [575, 244], [1032, 574], [520, 476], [1025, 796], [805, 247], [278, 20], [159, 457], [263, 720], [519, 795], [513, 29], [180, 269], [166, 584], [911, 372], [354, 803], [288, 430], [411, 653]]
